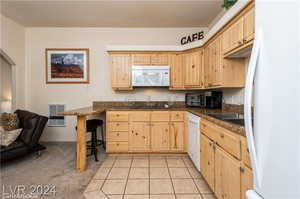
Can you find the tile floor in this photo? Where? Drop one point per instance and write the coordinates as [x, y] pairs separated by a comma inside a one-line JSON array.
[[153, 176]]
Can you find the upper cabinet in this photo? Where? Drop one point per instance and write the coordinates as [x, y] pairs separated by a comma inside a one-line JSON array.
[[150, 59], [120, 66], [176, 74], [239, 33], [193, 69]]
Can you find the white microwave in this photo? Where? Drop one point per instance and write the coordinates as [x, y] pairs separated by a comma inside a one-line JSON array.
[[150, 76]]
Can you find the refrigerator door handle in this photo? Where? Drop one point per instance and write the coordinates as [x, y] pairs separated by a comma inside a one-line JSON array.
[[248, 103]]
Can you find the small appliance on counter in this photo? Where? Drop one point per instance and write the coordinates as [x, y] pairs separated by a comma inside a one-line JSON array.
[[207, 99]]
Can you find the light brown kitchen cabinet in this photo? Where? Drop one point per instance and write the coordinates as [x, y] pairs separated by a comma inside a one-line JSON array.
[[141, 59], [193, 69], [150, 59], [176, 74], [120, 71], [139, 137], [160, 59], [177, 136], [246, 181], [249, 26], [160, 136], [207, 160], [227, 175]]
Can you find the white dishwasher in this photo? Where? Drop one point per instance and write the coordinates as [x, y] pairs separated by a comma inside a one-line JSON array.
[[194, 139]]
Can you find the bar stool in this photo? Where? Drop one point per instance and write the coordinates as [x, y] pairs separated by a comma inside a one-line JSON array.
[[91, 126]]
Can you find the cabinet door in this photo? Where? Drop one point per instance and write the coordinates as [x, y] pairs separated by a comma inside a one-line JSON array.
[[160, 136], [121, 71], [246, 181], [249, 26], [177, 132], [176, 64], [226, 40], [207, 160], [141, 59], [237, 33], [227, 176], [193, 64], [159, 59], [139, 137]]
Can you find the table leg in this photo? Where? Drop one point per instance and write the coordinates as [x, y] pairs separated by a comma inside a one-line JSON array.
[[81, 144]]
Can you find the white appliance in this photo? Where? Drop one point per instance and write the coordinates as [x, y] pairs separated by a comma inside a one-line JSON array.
[[194, 139], [150, 76], [272, 89]]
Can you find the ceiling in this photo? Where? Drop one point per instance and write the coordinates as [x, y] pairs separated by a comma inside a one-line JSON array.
[[111, 13]]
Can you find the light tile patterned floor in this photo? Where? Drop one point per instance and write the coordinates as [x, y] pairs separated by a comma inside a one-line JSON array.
[[148, 176]]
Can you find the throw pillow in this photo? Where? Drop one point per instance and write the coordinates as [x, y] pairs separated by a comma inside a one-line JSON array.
[[9, 121], [8, 137]]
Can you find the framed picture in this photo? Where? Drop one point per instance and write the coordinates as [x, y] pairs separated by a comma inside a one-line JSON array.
[[67, 66]]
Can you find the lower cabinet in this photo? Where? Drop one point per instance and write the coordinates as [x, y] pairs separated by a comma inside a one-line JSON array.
[[139, 137], [146, 131], [160, 136], [227, 176], [207, 160], [177, 134], [246, 181]]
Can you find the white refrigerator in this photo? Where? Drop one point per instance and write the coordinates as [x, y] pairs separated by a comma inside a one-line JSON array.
[[272, 101]]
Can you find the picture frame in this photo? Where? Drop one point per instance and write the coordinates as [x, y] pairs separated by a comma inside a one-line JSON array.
[[67, 65]]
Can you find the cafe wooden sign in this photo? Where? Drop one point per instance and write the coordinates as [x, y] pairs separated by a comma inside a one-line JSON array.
[[191, 38]]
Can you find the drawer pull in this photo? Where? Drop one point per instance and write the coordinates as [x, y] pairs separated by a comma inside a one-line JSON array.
[[118, 134], [118, 144], [247, 150], [118, 124], [177, 115], [118, 115], [222, 135], [242, 169], [136, 134], [144, 137]]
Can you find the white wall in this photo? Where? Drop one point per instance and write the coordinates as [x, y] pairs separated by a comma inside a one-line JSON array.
[[13, 44], [40, 94]]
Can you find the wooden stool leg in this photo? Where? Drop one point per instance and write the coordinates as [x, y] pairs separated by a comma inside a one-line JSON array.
[[81, 144]]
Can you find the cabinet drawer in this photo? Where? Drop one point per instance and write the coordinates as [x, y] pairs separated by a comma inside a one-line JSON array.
[[117, 147], [209, 129], [117, 136], [117, 116], [245, 153], [177, 116], [160, 116], [140, 116], [118, 126], [229, 142]]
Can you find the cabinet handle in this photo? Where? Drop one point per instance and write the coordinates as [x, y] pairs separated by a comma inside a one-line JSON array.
[[136, 134], [222, 135], [132, 132], [118, 115], [167, 130], [118, 124], [193, 66], [242, 169], [208, 163], [118, 144], [247, 150], [118, 134], [144, 137]]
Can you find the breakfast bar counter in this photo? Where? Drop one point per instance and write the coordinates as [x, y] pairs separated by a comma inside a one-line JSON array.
[[101, 107]]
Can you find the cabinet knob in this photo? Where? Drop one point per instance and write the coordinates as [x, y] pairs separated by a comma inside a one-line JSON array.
[[118, 144], [118, 134], [118, 115], [136, 134], [193, 66], [144, 137], [242, 169], [118, 124]]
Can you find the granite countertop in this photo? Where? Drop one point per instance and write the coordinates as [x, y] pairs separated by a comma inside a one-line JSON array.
[[201, 112]]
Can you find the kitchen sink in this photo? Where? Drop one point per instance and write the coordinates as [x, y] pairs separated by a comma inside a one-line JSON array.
[[236, 121], [226, 116]]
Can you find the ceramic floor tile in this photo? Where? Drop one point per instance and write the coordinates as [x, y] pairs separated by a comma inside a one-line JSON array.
[[184, 186], [208, 196], [159, 173], [114, 186], [108, 162], [179, 173], [140, 162], [189, 196], [118, 173], [95, 195], [163, 196], [188, 162], [137, 187], [136, 173], [102, 173], [202, 186], [114, 196], [136, 196], [194, 173], [94, 185], [123, 163], [161, 186], [175, 162], [158, 163]]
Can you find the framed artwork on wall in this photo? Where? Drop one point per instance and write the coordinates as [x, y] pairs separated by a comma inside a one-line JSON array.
[[67, 65]]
